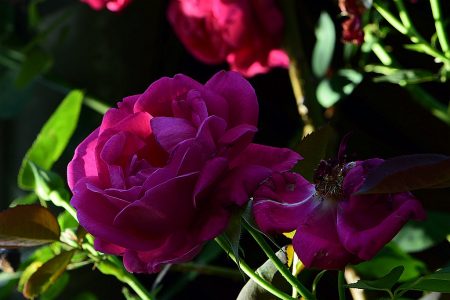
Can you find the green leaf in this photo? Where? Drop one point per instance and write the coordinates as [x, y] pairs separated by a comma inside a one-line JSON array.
[[56, 288], [26, 274], [389, 257], [324, 47], [45, 181], [27, 226], [66, 221], [404, 77], [233, 234], [47, 274], [383, 284], [407, 173], [30, 198], [438, 281], [37, 62], [313, 149], [340, 85], [418, 236], [53, 138], [85, 296], [268, 271]]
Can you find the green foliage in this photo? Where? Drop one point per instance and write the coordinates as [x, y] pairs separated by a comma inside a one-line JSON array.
[[251, 290], [324, 47], [47, 274], [36, 62], [12, 98], [27, 226], [389, 257], [417, 236], [341, 84], [313, 148], [384, 283], [53, 138], [56, 288], [438, 281]]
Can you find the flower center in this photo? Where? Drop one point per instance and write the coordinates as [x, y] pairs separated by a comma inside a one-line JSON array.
[[328, 178]]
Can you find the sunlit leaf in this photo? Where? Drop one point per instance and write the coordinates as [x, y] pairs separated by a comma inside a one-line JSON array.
[[418, 236], [53, 138], [26, 274], [389, 257], [438, 281], [47, 274], [313, 149], [30, 198], [55, 289], [384, 283], [324, 47], [331, 90], [27, 226], [407, 173]]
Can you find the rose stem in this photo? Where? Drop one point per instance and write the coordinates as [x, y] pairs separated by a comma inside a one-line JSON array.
[[341, 287], [439, 24], [405, 26], [299, 72], [250, 273], [304, 292], [417, 93]]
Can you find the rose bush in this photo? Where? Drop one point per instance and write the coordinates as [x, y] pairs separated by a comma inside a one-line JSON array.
[[334, 226], [245, 33], [166, 169], [112, 5]]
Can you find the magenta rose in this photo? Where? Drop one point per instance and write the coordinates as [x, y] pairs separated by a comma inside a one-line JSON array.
[[167, 168], [334, 226], [112, 5], [245, 33]]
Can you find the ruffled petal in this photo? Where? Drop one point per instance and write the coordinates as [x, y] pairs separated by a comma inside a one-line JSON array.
[[169, 132], [157, 99], [83, 163], [240, 95], [276, 159], [317, 243]]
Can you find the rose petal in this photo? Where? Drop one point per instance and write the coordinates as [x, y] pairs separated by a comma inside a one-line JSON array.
[[317, 243], [169, 132], [368, 222], [157, 99], [83, 162], [277, 159], [165, 208], [240, 95]]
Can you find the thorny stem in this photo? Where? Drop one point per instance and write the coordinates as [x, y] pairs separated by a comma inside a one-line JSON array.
[[250, 273], [284, 271], [405, 26], [299, 72]]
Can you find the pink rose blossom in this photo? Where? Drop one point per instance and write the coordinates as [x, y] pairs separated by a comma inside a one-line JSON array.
[[245, 33], [167, 168], [334, 226], [112, 5], [352, 30]]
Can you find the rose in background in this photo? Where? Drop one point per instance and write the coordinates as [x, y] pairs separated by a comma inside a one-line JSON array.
[[112, 5], [166, 169], [245, 33], [334, 226], [352, 29]]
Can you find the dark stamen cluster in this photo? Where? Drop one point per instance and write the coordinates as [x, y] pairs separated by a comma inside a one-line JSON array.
[[328, 178]]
